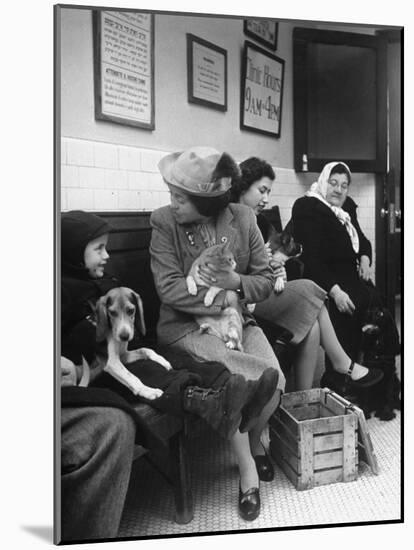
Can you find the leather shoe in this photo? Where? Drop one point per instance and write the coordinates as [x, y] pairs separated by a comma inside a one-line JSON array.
[[372, 377], [264, 467], [249, 504]]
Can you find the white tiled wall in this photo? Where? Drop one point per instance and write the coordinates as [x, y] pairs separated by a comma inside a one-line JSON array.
[[102, 176]]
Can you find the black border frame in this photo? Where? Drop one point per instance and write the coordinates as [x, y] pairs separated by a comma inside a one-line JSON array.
[[56, 307]]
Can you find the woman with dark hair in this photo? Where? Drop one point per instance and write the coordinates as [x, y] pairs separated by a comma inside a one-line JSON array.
[[200, 216], [300, 307], [336, 253]]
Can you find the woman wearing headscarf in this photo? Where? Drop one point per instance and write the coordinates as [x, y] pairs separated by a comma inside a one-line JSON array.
[[336, 253]]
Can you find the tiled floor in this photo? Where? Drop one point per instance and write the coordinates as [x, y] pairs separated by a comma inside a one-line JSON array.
[[149, 509]]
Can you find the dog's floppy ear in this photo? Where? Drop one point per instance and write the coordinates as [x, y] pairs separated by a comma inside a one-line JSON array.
[[102, 323], [139, 314]]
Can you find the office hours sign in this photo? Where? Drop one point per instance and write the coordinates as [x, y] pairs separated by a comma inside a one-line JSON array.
[[261, 91]]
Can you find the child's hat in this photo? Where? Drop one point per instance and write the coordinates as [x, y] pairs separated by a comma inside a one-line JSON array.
[[201, 171], [78, 228]]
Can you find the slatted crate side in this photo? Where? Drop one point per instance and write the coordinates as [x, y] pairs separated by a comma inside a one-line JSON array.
[[328, 459], [330, 464], [311, 411], [277, 427], [350, 450], [285, 458], [325, 425], [287, 419], [313, 438], [285, 452], [336, 406], [300, 398], [327, 442]]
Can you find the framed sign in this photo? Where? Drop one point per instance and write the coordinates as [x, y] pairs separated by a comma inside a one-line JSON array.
[[261, 91], [124, 67], [206, 73], [263, 31]]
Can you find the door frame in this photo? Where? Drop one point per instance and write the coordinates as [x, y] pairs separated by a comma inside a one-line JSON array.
[[388, 239]]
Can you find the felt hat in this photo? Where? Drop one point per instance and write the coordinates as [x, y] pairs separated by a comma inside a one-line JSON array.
[[201, 171]]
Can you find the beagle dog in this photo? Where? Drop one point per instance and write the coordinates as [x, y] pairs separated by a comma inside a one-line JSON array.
[[283, 247], [117, 315]]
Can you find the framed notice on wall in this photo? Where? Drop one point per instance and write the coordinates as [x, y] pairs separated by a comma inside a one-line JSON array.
[[124, 67], [262, 30], [261, 91], [206, 73]]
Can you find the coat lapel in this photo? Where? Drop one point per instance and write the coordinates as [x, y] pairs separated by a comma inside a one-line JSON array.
[[225, 230], [192, 244]]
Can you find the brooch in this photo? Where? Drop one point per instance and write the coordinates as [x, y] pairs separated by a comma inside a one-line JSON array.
[[223, 239], [190, 237]]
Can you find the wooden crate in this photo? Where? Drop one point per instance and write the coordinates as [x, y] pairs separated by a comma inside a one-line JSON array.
[[314, 438]]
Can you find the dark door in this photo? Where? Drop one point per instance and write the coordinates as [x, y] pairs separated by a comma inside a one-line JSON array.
[[353, 82], [389, 188]]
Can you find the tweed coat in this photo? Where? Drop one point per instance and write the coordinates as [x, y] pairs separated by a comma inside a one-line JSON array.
[[173, 250]]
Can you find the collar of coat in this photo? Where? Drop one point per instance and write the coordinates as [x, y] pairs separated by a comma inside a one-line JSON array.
[[225, 232]]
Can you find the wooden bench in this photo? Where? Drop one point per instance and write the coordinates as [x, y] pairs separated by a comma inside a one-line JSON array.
[[130, 263]]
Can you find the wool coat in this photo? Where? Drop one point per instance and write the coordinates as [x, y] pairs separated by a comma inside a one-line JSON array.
[[173, 250]]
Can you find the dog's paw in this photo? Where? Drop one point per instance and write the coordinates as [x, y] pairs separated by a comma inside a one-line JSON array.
[[150, 393], [230, 344], [279, 285], [166, 364], [159, 359]]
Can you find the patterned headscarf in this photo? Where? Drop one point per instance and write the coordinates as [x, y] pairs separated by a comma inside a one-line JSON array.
[[319, 190]]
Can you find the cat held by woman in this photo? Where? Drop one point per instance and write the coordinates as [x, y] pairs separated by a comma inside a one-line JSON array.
[[228, 326]]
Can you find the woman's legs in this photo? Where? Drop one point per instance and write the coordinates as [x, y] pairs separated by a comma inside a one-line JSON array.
[[322, 333], [336, 353], [247, 466], [256, 432], [306, 358]]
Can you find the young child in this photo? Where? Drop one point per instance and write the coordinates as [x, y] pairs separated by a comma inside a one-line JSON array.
[[226, 400]]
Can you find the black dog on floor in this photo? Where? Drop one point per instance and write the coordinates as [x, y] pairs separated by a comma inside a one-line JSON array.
[[380, 345]]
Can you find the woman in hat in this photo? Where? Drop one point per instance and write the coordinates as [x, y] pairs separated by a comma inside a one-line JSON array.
[[200, 215]]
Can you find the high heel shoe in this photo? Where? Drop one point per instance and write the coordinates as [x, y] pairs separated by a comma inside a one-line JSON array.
[[249, 503], [264, 467], [372, 377]]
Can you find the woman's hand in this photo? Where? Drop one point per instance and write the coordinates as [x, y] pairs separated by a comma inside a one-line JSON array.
[[364, 269], [342, 300], [68, 372], [229, 280]]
